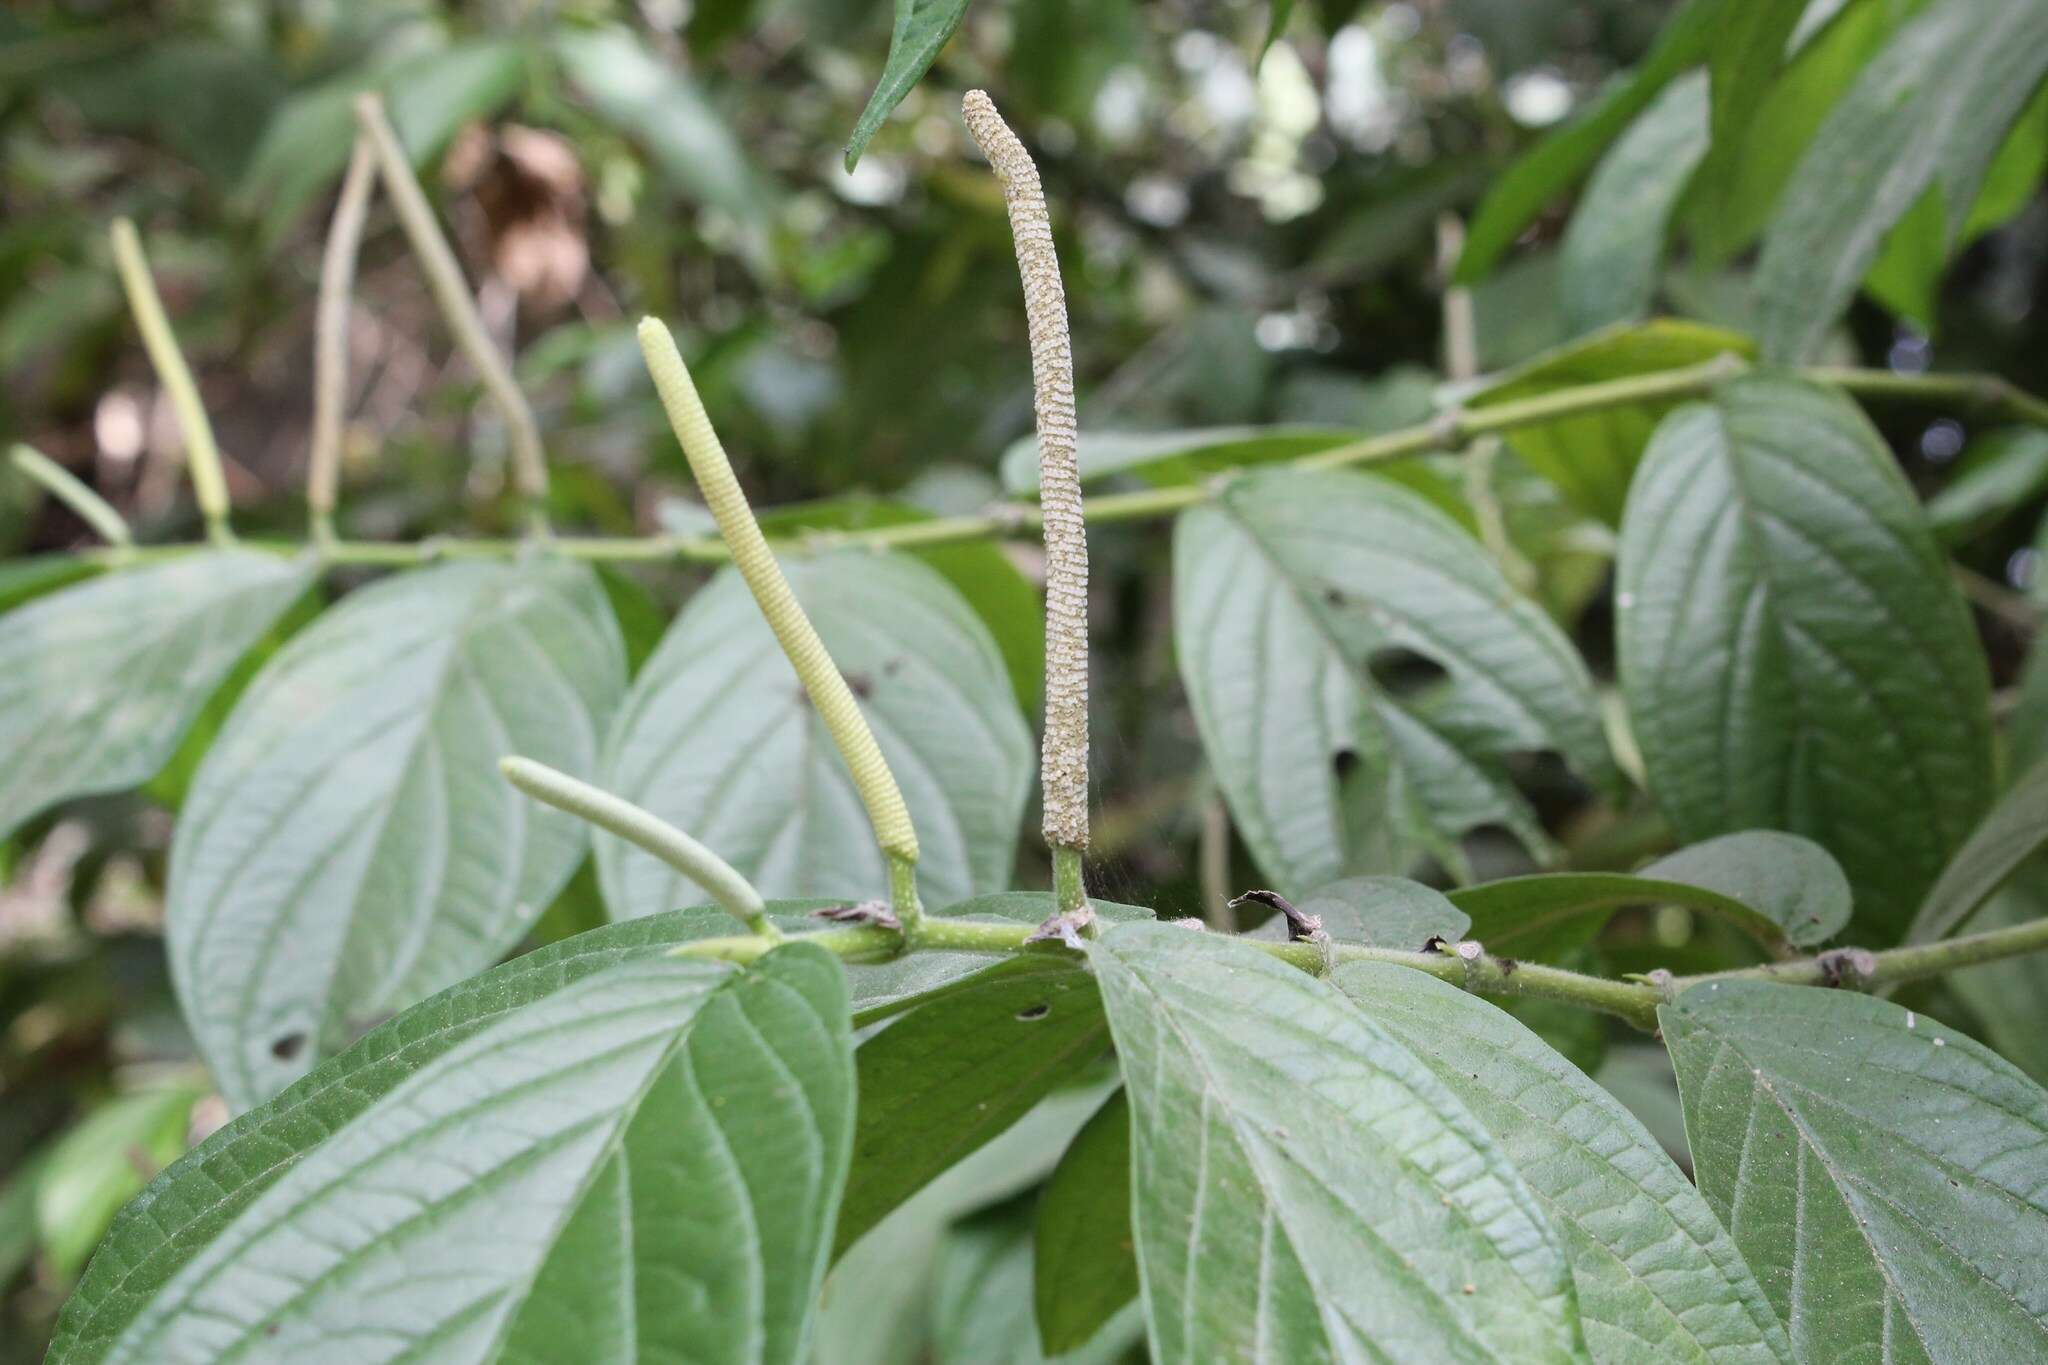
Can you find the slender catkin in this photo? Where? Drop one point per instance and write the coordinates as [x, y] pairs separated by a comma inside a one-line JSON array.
[[1064, 759], [750, 554], [330, 332]]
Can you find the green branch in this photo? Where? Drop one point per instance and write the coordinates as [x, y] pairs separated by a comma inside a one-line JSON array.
[[1466, 964], [1448, 431]]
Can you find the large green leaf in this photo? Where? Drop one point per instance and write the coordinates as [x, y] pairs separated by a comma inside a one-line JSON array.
[[922, 29], [718, 738], [1288, 589], [1385, 912], [1592, 456], [1793, 650], [1303, 1187], [2013, 829], [1887, 1178], [1743, 57], [163, 1228], [1557, 162], [1087, 1264], [1930, 109], [662, 108], [1658, 1278], [349, 847], [1780, 889], [1998, 474], [533, 1193], [98, 681], [1607, 267]]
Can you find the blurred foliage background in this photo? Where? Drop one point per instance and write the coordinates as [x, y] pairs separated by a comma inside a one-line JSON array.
[[1246, 239]]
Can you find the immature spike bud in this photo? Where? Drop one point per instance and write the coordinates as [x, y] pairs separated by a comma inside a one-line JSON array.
[[1064, 760]]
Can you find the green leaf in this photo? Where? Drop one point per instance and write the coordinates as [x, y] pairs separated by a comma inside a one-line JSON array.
[[101, 1164], [1557, 162], [923, 28], [98, 681], [428, 95], [1289, 589], [660, 1121], [1657, 1277], [349, 847], [1883, 1175], [1607, 268], [951, 1074], [1744, 54], [1004, 599], [1386, 912], [662, 108], [1999, 473], [184, 1208], [1793, 650], [2010, 997], [1931, 109], [2010, 833], [1087, 1264], [25, 579], [1738, 186], [1907, 275], [718, 739], [1780, 889], [877, 1299], [1593, 456], [1303, 1186], [981, 1297]]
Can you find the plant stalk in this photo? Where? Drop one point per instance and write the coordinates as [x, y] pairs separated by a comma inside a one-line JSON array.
[[458, 306], [67, 488], [202, 456], [330, 336], [1468, 965], [732, 892], [1447, 431]]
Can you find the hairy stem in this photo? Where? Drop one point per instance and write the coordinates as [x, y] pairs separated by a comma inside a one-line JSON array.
[[821, 678], [1063, 762], [202, 456], [458, 307], [66, 487], [330, 335], [732, 892]]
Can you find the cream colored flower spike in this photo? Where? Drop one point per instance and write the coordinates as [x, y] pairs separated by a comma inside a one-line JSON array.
[[1065, 755]]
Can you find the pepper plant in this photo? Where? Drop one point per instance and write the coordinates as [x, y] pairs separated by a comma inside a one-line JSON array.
[[1353, 1132]]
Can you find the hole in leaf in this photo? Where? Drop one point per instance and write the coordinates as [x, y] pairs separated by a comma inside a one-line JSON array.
[[1403, 673], [1344, 762], [863, 686], [288, 1047], [1031, 1012]]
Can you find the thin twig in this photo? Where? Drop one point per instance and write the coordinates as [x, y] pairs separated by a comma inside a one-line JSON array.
[[67, 488], [1447, 431], [330, 336], [458, 305], [202, 456]]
